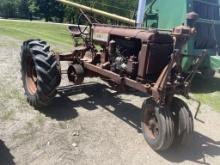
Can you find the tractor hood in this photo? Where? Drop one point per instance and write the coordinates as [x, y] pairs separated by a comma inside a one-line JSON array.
[[103, 33]]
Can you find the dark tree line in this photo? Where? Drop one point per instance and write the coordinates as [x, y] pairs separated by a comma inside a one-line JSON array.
[[51, 10]]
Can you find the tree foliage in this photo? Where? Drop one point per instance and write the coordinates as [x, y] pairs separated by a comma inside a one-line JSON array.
[[51, 10], [9, 8]]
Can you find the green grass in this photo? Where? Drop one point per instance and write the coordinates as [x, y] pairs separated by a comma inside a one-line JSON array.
[[55, 34], [9, 93], [207, 91]]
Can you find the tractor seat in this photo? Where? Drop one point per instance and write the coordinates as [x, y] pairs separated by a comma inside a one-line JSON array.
[[74, 31]]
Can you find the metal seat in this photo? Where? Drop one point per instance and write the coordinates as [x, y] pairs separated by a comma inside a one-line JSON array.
[[74, 31]]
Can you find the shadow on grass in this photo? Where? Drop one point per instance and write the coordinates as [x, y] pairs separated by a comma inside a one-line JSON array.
[[6, 157], [202, 85], [200, 147]]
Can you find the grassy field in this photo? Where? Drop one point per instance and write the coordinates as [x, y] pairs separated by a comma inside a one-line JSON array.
[[207, 91], [56, 35]]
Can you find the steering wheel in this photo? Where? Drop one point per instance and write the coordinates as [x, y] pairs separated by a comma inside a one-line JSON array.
[[83, 19]]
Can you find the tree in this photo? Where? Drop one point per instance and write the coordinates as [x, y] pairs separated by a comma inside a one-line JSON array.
[[58, 12], [9, 8], [33, 8], [69, 14], [50, 8], [23, 8]]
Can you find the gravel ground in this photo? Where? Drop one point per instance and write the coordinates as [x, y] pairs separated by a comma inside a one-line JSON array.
[[93, 125]]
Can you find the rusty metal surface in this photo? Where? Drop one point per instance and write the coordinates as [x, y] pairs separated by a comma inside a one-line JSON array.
[[106, 73], [143, 35], [88, 57], [158, 90], [117, 78], [192, 16], [142, 61], [146, 88], [78, 52], [31, 77]]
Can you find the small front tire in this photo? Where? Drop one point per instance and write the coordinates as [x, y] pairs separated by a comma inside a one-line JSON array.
[[183, 120], [157, 125]]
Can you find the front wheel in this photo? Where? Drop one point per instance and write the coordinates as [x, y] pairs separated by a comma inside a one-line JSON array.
[[40, 72], [157, 125], [183, 120]]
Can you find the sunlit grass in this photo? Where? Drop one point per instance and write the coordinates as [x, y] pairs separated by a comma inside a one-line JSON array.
[[207, 91], [55, 34]]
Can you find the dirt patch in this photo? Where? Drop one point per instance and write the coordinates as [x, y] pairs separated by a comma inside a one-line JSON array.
[[92, 125]]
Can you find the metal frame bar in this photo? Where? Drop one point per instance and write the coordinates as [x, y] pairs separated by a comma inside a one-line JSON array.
[[146, 88]]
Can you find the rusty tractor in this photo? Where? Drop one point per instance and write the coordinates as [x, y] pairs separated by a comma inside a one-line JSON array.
[[146, 60]]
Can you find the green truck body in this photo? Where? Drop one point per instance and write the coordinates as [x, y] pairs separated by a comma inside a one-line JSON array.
[[166, 14]]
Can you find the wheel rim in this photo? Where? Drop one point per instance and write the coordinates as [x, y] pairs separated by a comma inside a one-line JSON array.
[[31, 77], [151, 125], [75, 74]]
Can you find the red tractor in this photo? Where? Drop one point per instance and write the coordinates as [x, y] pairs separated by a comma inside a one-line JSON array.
[[146, 60]]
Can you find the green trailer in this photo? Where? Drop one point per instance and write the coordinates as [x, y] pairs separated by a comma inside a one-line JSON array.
[[165, 14]]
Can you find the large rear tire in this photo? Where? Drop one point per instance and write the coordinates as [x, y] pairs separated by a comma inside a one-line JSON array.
[[40, 72], [157, 125], [183, 122]]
